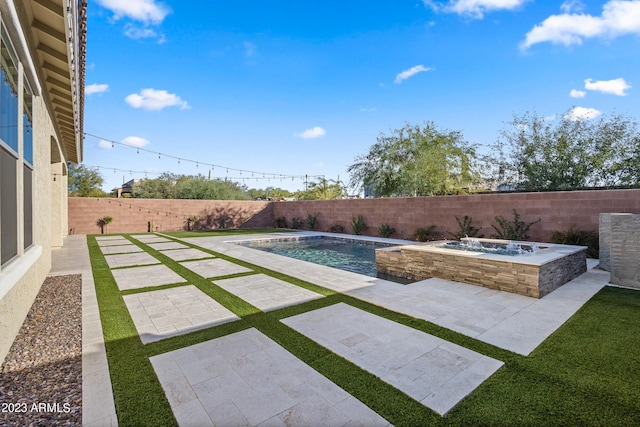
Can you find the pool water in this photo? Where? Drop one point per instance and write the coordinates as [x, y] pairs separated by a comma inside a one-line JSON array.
[[352, 255]]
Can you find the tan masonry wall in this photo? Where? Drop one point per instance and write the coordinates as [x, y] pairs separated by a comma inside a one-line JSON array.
[[134, 215], [557, 210]]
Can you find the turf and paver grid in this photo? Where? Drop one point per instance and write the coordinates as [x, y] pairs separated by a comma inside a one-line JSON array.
[[247, 379], [169, 312], [265, 292], [113, 242], [143, 277], [433, 371]]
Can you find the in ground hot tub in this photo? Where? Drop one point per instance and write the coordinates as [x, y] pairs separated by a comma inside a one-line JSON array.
[[526, 268]]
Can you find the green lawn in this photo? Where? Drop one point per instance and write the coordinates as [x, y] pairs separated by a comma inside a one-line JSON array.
[[587, 373]]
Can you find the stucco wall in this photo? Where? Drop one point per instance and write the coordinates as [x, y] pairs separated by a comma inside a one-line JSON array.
[[557, 211], [21, 279], [134, 215]]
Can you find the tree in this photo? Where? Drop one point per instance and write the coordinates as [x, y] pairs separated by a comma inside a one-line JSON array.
[[173, 186], [566, 153], [417, 161], [84, 182], [322, 189]]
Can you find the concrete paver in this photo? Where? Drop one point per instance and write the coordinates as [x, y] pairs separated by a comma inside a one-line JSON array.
[[150, 238], [214, 267], [143, 277], [265, 292], [120, 249], [127, 260], [186, 254], [161, 246], [433, 371], [247, 379], [175, 311], [113, 242]]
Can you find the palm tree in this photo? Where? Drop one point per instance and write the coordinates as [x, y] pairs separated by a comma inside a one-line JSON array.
[[103, 223]]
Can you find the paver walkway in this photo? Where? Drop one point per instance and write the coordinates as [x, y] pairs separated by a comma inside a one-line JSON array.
[[175, 311], [433, 371], [246, 379]]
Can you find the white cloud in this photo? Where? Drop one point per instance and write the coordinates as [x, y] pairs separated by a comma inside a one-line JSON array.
[[136, 33], [572, 6], [147, 11], [618, 18], [95, 88], [249, 49], [367, 110], [314, 132], [152, 99], [105, 144], [615, 87], [473, 8], [582, 113], [577, 93], [404, 75], [135, 141]]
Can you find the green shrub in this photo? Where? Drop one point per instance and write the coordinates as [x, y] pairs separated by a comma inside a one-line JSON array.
[[514, 230], [280, 222], [425, 234], [336, 228], [358, 224], [312, 221], [466, 229], [575, 236], [386, 230], [296, 223]]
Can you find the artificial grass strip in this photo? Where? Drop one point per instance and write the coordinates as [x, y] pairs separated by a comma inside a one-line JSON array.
[[138, 395]]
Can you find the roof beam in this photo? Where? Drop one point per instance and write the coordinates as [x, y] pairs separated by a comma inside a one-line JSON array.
[[51, 51], [54, 69], [38, 25], [59, 83], [53, 7]]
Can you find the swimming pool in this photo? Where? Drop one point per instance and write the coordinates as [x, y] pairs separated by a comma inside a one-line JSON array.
[[357, 256]]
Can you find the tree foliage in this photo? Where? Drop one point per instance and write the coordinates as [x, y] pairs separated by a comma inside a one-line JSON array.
[[416, 161], [322, 189], [174, 186], [536, 153], [84, 182]]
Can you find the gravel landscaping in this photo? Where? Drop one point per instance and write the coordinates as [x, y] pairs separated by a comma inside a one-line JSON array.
[[41, 377]]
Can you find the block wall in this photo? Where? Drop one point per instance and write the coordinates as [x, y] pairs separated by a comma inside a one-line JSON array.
[[557, 211], [137, 215]]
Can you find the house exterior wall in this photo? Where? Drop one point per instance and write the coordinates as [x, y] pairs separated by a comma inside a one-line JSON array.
[[20, 279], [24, 266]]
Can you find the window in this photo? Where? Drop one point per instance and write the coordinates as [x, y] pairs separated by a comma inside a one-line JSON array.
[[8, 95], [8, 206], [27, 122], [9, 151]]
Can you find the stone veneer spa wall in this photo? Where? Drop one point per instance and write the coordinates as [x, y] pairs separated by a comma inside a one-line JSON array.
[[535, 275]]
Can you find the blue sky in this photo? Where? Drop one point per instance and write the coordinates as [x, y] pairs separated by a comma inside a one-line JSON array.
[[286, 87]]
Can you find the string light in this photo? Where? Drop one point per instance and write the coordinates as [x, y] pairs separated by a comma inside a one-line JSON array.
[[241, 172]]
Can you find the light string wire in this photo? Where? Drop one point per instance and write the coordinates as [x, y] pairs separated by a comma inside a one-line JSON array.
[[251, 174]]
